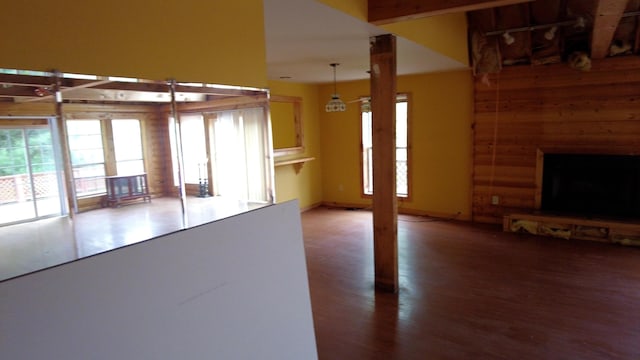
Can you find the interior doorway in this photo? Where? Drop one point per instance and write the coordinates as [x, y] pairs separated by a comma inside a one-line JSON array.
[[30, 174]]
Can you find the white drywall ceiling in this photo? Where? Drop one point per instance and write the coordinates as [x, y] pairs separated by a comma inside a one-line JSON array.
[[304, 36]]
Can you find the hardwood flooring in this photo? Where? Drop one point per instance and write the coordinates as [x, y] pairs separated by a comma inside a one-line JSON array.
[[33, 246], [466, 291], [469, 292]]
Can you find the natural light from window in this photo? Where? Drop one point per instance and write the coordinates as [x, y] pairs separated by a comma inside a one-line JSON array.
[[87, 156], [127, 141], [402, 155]]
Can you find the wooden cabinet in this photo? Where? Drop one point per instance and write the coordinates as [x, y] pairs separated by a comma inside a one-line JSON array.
[[125, 188]]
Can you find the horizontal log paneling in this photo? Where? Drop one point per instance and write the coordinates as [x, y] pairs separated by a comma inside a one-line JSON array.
[[552, 109], [157, 151], [551, 95]]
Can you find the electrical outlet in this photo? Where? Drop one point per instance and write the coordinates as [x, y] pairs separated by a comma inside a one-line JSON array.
[[495, 200]]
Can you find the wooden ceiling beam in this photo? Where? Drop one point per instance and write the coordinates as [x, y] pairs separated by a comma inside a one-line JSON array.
[[389, 11], [86, 85], [607, 17], [17, 91]]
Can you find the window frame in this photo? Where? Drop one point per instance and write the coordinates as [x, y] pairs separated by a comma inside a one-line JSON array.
[[108, 146], [400, 97], [88, 117]]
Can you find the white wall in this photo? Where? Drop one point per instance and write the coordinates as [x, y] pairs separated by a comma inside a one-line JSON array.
[[233, 289]]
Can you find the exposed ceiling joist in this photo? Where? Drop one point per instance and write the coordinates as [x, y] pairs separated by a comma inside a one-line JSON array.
[[33, 88], [606, 19], [81, 86], [102, 95], [390, 11]]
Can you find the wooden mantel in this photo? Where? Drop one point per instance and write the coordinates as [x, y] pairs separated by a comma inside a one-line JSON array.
[[297, 163]]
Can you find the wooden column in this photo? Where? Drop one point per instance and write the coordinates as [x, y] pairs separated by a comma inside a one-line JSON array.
[[110, 166], [61, 127], [385, 206], [179, 157]]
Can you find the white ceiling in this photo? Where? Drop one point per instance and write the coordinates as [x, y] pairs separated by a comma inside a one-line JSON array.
[[304, 36]]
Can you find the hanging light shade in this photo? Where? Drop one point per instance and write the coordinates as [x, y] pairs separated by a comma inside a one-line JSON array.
[[335, 104]]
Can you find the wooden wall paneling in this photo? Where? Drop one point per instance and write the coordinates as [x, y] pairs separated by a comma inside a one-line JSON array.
[[155, 138], [23, 122], [169, 188], [159, 151], [548, 109], [29, 109]]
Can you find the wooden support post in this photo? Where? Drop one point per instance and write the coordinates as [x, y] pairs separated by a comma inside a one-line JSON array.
[[179, 158], [64, 143], [110, 165], [385, 205]]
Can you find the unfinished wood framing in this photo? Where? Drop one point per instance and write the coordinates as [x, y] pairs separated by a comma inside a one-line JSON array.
[[385, 206], [606, 19], [390, 11]]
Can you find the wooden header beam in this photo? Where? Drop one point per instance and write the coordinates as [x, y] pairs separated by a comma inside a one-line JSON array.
[[606, 20], [390, 11]]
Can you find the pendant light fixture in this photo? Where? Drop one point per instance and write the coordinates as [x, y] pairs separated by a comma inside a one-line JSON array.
[[335, 104]]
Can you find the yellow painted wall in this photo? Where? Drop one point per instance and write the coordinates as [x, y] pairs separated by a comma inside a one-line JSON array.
[[189, 40], [446, 34], [307, 184], [441, 111]]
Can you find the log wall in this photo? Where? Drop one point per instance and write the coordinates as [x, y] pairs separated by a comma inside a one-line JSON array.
[[550, 109]]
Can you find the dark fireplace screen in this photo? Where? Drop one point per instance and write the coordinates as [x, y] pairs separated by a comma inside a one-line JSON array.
[[605, 186]]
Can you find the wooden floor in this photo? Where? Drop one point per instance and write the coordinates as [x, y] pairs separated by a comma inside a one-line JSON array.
[[469, 292], [37, 245]]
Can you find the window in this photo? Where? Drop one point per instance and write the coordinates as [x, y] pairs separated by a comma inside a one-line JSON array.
[[402, 153], [127, 142], [194, 149], [236, 143], [87, 156]]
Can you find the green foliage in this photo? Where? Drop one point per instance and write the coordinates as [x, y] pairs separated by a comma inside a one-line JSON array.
[[13, 155]]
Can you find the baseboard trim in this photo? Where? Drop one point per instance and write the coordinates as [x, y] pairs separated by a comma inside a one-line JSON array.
[[310, 207], [350, 206], [401, 210]]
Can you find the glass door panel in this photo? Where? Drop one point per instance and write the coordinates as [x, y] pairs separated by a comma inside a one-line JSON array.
[[29, 186], [43, 172], [15, 184]]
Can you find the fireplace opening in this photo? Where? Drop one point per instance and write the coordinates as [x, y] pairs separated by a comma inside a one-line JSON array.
[[604, 186]]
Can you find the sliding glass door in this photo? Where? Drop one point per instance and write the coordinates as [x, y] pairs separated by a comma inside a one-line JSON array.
[[29, 177], [235, 143]]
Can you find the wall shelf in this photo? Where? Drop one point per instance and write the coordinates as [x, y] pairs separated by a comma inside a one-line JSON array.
[[297, 163]]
